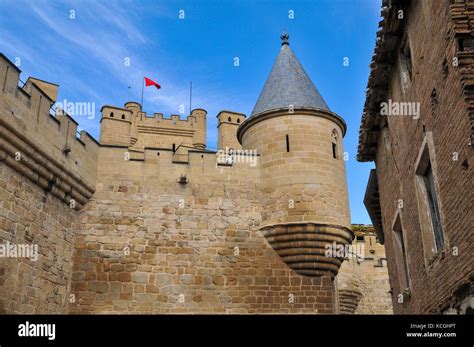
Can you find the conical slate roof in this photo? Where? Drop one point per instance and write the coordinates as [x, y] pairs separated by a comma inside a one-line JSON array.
[[288, 84]]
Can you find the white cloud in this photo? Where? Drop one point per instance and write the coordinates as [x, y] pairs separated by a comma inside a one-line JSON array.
[[101, 36]]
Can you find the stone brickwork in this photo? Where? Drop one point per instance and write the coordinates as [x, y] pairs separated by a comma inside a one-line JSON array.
[[193, 248], [362, 281], [305, 171], [433, 68], [29, 217], [149, 221], [46, 175]]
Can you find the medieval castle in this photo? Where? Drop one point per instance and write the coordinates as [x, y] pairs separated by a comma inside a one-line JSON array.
[[147, 220]]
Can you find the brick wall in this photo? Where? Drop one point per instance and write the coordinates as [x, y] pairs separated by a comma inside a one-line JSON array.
[[436, 85]]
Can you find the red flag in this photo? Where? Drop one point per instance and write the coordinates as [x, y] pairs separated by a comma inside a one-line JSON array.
[[149, 82]]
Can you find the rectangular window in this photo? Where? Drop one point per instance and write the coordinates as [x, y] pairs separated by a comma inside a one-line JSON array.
[[466, 43], [334, 150], [428, 200], [406, 53], [402, 260], [405, 62], [287, 143], [433, 207]]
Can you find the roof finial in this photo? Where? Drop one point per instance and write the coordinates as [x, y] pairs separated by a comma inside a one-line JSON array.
[[284, 38]]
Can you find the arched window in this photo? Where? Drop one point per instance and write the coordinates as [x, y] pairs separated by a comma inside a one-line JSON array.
[[123, 116], [334, 143], [230, 120], [238, 120], [111, 115]]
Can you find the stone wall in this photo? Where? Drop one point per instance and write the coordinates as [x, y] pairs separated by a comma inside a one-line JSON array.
[[374, 283], [28, 216], [362, 282], [46, 175], [148, 244]]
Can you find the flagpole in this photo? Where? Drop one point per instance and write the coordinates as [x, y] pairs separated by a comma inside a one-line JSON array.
[[190, 95], [143, 87]]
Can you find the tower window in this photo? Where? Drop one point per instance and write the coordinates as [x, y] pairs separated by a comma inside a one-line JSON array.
[[230, 120], [123, 116], [334, 144], [111, 115], [174, 147], [287, 143], [238, 120]]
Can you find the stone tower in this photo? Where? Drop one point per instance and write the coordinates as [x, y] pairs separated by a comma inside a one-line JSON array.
[[227, 125], [303, 180]]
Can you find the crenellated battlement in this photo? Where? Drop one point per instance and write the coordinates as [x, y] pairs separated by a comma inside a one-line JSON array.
[[41, 145], [173, 119], [159, 124], [129, 126]]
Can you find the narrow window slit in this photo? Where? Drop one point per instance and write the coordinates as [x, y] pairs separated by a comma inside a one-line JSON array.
[[334, 142]]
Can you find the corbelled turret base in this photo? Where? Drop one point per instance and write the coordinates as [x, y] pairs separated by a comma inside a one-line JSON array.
[[303, 246]]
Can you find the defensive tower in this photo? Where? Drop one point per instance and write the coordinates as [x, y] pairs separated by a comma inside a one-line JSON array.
[[303, 179]]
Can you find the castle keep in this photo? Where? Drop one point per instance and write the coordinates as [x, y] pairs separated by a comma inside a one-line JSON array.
[[147, 220]]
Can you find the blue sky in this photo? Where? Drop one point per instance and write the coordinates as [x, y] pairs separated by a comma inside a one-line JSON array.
[[86, 56]]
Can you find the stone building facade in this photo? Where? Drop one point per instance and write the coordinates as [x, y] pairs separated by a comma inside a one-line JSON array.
[[147, 220], [418, 128]]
